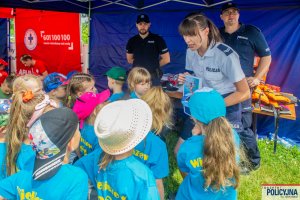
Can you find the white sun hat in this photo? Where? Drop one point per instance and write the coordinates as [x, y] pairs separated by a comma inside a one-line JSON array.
[[122, 125]]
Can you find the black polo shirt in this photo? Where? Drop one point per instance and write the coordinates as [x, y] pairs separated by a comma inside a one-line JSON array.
[[146, 51], [247, 41]]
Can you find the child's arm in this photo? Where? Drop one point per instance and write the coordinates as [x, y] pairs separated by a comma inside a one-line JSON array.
[[161, 189], [8, 187]]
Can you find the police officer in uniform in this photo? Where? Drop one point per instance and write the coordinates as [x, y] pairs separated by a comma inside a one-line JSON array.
[[218, 66], [246, 40], [147, 50]]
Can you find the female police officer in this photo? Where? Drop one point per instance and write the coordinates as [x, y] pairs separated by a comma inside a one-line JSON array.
[[218, 66]]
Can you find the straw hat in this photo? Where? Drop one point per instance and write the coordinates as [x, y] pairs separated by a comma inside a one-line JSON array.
[[122, 125]]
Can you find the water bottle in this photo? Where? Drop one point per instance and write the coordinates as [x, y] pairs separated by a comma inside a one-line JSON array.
[[271, 136], [284, 142]]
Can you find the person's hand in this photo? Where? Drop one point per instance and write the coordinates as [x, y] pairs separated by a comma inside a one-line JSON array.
[[253, 81], [181, 78]]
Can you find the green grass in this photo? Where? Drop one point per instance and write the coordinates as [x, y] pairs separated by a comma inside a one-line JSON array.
[[280, 168]]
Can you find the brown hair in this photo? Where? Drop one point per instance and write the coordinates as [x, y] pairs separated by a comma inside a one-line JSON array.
[[191, 26], [76, 85], [25, 57], [9, 80], [105, 160], [220, 168], [161, 107], [138, 75], [20, 114]]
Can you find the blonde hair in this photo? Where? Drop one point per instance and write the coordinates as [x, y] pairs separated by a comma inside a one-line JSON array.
[[220, 168], [92, 117], [161, 107], [105, 160], [138, 75], [192, 25], [20, 114], [76, 85]]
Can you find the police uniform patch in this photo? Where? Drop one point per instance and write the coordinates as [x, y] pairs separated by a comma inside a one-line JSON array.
[[225, 49]]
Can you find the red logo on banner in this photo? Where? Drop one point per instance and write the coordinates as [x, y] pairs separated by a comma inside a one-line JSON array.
[[51, 37], [30, 39]]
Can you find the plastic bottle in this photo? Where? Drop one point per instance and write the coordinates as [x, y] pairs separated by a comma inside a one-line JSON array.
[[282, 140]]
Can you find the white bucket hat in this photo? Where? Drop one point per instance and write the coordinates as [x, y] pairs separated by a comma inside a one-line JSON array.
[[122, 125]]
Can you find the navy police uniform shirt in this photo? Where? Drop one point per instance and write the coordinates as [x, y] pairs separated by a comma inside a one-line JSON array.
[[146, 51], [247, 41]]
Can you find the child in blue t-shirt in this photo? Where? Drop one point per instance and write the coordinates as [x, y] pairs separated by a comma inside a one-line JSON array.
[[116, 78], [139, 82], [209, 157], [28, 102], [115, 172], [152, 151], [86, 108], [53, 136], [26, 155]]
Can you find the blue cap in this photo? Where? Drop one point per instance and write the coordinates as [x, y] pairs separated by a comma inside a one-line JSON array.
[[207, 104], [71, 73], [53, 81]]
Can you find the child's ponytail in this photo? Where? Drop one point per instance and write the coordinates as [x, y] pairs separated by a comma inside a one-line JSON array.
[[161, 107], [220, 168], [22, 108], [105, 160]]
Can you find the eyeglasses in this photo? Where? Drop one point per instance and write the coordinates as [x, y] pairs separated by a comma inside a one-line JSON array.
[[232, 12]]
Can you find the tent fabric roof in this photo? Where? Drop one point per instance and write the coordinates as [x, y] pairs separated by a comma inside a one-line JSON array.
[[104, 6]]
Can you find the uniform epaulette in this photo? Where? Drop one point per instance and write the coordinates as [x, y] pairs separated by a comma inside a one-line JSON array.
[[251, 27], [225, 49]]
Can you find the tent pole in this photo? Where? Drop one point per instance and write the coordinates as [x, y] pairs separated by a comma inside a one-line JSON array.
[[89, 37], [8, 44]]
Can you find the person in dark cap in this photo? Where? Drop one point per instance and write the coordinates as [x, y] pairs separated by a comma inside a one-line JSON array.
[[147, 50], [247, 41], [53, 136]]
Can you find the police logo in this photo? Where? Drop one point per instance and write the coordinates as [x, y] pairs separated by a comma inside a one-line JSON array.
[[30, 39]]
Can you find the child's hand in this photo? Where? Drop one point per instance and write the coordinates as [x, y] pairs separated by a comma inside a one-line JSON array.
[[181, 78]]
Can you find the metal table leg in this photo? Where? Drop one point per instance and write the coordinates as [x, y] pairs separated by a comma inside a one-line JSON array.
[[276, 116]]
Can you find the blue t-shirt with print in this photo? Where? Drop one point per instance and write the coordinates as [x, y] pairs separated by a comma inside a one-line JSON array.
[[25, 158], [68, 183], [189, 159], [88, 140], [152, 151], [133, 95], [122, 179], [116, 96]]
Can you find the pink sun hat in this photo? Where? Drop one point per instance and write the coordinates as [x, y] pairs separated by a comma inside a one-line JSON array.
[[87, 102]]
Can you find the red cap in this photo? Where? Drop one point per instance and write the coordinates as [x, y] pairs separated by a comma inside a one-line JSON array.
[[2, 62]]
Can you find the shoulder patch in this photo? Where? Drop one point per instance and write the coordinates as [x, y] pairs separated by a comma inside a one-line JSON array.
[[225, 49]]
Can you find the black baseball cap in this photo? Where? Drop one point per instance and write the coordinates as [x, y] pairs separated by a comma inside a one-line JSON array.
[[142, 18], [49, 136], [229, 5]]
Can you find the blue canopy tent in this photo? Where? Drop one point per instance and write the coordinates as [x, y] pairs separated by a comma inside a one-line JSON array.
[[113, 23], [3, 39]]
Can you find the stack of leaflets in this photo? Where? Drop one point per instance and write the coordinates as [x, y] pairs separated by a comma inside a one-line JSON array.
[[191, 84]]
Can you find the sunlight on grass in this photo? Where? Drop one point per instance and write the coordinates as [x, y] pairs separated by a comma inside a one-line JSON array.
[[280, 168]]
